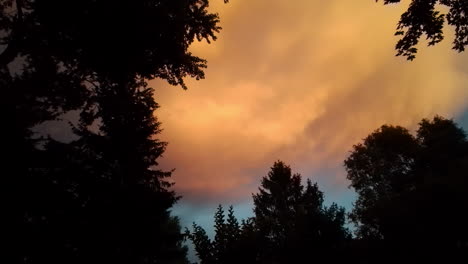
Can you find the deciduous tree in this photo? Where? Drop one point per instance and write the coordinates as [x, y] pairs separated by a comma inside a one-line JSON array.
[[411, 188], [424, 18]]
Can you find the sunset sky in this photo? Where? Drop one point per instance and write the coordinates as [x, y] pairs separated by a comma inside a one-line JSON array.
[[300, 81]]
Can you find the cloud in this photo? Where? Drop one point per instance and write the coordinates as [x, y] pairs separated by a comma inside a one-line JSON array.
[[300, 82]]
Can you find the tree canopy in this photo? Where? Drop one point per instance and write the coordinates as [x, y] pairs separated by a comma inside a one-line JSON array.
[[423, 17], [111, 39], [411, 187]]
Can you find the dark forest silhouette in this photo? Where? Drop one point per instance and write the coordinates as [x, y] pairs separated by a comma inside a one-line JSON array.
[[290, 220], [101, 198], [411, 208]]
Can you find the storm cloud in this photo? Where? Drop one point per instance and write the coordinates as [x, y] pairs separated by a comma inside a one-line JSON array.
[[301, 81]]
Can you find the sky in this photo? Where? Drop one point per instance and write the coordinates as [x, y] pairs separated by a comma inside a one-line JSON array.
[[299, 81]]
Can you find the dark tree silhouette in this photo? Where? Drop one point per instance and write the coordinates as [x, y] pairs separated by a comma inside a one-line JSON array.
[[128, 215], [379, 168], [292, 221], [411, 188], [422, 17], [203, 244], [112, 39], [231, 244], [99, 198]]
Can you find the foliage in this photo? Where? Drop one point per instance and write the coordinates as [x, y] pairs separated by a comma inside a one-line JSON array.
[[99, 197], [292, 220], [411, 188], [422, 17], [411, 206], [113, 39], [231, 241]]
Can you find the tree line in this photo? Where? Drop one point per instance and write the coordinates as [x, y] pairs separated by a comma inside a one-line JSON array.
[[411, 207]]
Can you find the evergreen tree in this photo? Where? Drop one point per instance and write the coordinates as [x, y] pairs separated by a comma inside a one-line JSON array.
[[203, 245], [233, 231], [232, 242], [100, 197], [221, 235], [292, 221], [250, 243], [275, 207]]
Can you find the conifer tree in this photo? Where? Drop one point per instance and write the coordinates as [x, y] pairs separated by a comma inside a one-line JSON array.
[[291, 220], [99, 197], [232, 243]]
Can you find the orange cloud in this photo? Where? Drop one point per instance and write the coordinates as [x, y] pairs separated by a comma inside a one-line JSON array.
[[301, 82]]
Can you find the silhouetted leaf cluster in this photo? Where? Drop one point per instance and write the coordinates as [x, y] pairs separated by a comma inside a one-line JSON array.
[[422, 17]]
